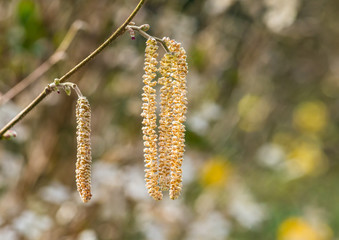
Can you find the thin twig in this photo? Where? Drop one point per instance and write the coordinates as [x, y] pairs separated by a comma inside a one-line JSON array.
[[47, 91], [57, 56], [146, 35], [77, 90], [66, 86]]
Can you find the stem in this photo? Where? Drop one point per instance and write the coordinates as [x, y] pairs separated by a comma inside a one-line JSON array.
[[147, 36], [77, 90], [47, 91], [66, 86], [163, 44]]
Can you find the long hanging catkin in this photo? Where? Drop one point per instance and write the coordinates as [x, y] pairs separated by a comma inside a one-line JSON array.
[[84, 158], [179, 72], [165, 123], [164, 166], [149, 120]]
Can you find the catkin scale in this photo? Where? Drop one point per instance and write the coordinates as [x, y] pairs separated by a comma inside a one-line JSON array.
[[84, 158]]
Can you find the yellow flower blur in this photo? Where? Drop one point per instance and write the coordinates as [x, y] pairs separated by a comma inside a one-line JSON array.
[[299, 229], [310, 117], [216, 172], [307, 158]]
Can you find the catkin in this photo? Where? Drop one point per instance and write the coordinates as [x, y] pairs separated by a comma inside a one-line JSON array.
[[149, 120], [164, 167], [84, 158], [166, 118], [179, 90]]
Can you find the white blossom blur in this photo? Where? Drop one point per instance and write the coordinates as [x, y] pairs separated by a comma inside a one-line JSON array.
[[31, 225], [280, 14]]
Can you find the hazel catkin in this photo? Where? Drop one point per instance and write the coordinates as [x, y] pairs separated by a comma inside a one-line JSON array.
[[164, 165], [165, 123], [179, 72], [84, 158], [149, 120]]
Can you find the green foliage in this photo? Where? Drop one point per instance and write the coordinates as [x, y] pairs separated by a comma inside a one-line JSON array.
[[29, 18]]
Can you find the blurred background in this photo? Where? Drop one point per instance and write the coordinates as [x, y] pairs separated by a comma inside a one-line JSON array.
[[262, 137]]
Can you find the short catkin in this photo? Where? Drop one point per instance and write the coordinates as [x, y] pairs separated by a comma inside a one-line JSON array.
[[164, 167], [84, 158]]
